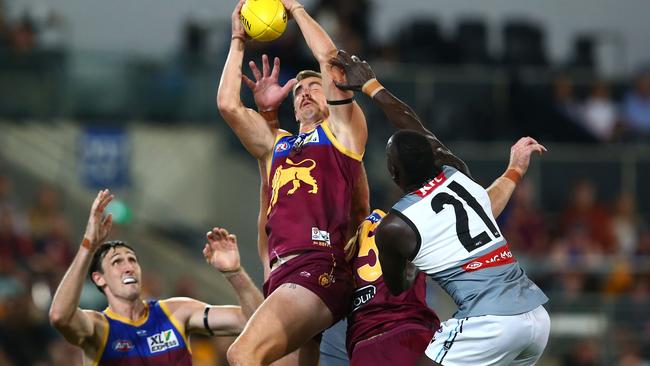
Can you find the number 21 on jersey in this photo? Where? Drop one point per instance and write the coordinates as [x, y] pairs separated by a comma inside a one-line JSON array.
[[442, 199]]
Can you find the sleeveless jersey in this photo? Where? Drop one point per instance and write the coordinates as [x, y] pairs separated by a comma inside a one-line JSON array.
[[311, 178], [155, 340], [461, 247], [375, 310]]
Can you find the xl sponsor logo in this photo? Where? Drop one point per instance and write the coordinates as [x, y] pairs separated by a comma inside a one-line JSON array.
[[363, 295], [162, 341]]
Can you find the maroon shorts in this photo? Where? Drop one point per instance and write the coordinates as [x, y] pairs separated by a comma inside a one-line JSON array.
[[327, 275], [403, 345]]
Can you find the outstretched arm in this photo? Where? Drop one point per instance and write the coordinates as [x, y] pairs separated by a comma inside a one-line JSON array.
[[222, 253], [76, 325], [198, 317], [249, 126], [347, 120], [268, 95], [502, 188], [360, 77]]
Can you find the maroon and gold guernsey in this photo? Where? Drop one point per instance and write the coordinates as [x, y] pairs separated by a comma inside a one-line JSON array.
[[311, 178], [375, 310]]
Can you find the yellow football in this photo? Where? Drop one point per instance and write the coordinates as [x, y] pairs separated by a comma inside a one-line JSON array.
[[264, 20]]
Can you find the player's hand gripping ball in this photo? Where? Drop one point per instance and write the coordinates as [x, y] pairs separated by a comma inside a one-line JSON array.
[[264, 20]]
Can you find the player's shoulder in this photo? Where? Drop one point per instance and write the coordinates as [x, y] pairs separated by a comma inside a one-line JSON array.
[[280, 133], [97, 317], [397, 234]]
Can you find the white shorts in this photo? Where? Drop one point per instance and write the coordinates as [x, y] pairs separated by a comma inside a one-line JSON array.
[[492, 339]]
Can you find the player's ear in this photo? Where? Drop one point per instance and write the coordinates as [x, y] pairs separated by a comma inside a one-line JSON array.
[[98, 279]]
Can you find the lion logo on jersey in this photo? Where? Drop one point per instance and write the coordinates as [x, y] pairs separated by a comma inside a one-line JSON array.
[[295, 173]]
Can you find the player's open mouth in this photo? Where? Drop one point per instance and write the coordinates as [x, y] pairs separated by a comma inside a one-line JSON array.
[[129, 280]]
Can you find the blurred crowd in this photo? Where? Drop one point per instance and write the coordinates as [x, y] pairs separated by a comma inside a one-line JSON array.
[[38, 28], [592, 257]]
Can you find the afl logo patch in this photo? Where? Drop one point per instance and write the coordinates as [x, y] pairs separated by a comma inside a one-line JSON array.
[[282, 146], [123, 345]]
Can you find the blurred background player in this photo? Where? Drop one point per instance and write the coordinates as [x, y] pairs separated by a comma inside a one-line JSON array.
[[132, 330], [311, 175]]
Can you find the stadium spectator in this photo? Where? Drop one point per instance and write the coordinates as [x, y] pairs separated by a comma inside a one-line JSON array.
[[585, 353], [524, 223], [599, 114], [22, 35], [584, 213], [625, 224], [636, 108]]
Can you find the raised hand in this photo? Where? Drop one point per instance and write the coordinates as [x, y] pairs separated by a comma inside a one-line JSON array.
[[357, 72], [521, 151], [267, 91], [237, 27], [221, 250], [98, 226]]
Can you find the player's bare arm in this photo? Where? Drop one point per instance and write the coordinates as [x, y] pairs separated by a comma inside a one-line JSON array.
[[268, 95], [347, 120], [503, 187], [397, 243], [360, 207], [249, 126], [82, 327], [220, 252], [359, 76]]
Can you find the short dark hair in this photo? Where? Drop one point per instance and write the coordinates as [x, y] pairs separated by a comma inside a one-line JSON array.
[[98, 257], [304, 74], [415, 155]]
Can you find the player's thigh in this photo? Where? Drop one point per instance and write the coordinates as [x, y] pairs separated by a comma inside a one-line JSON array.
[[287, 319], [541, 326], [482, 340]]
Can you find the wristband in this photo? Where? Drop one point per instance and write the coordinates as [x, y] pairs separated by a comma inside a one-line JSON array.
[[340, 102], [232, 273], [205, 320], [85, 243], [372, 87], [513, 175]]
